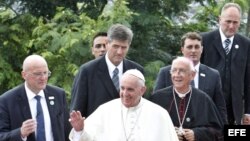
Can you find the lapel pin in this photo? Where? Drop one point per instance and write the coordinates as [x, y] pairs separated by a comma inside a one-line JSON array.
[[236, 46], [51, 102], [202, 74], [51, 97], [188, 119]]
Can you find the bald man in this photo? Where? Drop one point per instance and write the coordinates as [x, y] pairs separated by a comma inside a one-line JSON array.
[[228, 52], [18, 107], [126, 118]]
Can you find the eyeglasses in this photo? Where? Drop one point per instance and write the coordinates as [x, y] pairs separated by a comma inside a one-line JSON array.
[[41, 74], [100, 45], [180, 71]]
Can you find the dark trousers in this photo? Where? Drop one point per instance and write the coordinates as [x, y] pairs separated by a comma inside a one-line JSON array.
[[230, 115]]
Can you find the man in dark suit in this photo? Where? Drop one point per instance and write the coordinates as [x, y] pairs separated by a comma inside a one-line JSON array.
[[229, 53], [192, 111], [206, 78], [18, 112], [93, 84], [99, 44]]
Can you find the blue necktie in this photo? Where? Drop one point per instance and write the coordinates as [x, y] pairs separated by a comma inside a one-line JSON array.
[[40, 134], [115, 78], [227, 43]]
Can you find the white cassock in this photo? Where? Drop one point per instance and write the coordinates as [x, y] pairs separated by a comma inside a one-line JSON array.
[[114, 122]]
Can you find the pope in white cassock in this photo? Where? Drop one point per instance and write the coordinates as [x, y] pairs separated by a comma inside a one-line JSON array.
[[128, 118]]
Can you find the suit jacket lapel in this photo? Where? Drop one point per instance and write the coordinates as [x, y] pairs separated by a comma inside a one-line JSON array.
[[202, 77], [24, 103], [50, 100], [235, 46], [107, 82], [217, 43], [22, 100], [125, 65]]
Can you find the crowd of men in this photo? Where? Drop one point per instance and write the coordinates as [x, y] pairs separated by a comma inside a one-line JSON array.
[[193, 98]]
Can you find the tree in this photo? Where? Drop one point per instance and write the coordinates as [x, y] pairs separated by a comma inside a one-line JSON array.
[[64, 41], [208, 14], [44, 8], [15, 33], [64, 37], [248, 24]]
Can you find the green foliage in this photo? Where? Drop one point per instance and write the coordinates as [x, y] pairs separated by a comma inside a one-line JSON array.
[[208, 15], [15, 33], [151, 71], [44, 8], [62, 32], [64, 41]]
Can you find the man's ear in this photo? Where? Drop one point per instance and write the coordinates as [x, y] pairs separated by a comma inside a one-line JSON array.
[[143, 90], [219, 18], [182, 50]]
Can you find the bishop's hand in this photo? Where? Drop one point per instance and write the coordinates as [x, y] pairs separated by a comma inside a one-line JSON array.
[[189, 134], [179, 133]]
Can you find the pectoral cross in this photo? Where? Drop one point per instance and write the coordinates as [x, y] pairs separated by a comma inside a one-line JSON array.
[[180, 130]]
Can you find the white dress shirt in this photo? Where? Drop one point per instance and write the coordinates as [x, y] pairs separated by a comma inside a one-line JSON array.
[[111, 67], [32, 105], [223, 38], [196, 77]]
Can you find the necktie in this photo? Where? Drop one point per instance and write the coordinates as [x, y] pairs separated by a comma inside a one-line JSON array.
[[115, 78], [227, 43], [40, 135]]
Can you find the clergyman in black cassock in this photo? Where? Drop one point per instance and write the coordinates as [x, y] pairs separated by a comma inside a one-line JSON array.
[[192, 111], [202, 116]]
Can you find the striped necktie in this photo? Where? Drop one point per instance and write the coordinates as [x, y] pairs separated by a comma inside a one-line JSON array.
[[227, 43], [115, 78]]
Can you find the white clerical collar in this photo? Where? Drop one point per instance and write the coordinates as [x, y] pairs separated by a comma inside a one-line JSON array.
[[111, 66], [31, 94], [182, 95]]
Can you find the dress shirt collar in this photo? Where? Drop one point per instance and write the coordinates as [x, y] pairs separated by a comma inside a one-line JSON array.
[[111, 66], [196, 77], [196, 67], [223, 38]]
